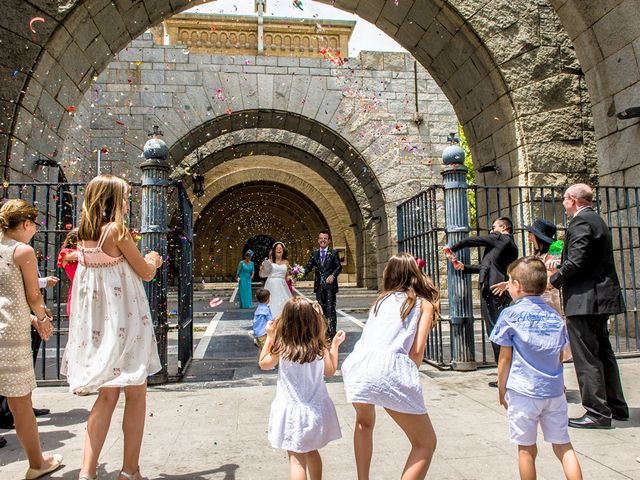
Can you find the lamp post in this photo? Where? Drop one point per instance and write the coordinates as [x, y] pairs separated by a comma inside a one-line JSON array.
[[197, 177], [456, 199], [154, 231]]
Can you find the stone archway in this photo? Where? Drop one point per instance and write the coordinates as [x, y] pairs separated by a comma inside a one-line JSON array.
[[497, 62], [319, 194], [248, 210]]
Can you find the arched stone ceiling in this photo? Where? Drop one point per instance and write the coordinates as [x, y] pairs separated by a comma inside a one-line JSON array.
[[308, 133], [257, 155], [251, 208], [278, 170], [486, 56]]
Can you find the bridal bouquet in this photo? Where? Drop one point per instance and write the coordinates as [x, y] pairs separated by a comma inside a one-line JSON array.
[[297, 272]]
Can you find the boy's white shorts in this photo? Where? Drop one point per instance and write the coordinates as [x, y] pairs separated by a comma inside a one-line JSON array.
[[525, 413]]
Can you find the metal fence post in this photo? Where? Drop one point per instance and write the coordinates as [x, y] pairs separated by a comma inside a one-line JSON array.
[[154, 231], [456, 200]]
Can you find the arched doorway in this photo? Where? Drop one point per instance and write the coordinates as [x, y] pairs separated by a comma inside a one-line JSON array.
[[260, 245], [263, 212]]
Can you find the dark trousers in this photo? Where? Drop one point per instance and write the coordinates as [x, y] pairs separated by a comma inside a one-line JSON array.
[[326, 297], [596, 366], [490, 308]]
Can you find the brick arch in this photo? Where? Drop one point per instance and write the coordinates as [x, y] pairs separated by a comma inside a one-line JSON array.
[[347, 218], [293, 123], [285, 213], [313, 145], [494, 60]]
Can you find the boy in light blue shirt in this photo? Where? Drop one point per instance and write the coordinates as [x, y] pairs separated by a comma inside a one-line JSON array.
[[261, 317], [532, 336]]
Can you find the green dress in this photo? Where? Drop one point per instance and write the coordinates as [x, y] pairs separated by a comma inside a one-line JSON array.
[[245, 274]]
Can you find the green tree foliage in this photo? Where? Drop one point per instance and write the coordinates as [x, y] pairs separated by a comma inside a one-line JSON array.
[[471, 177]]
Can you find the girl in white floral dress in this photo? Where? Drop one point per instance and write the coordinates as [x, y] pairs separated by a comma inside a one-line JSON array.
[[111, 340]]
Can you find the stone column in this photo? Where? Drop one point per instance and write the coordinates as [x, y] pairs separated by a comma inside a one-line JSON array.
[[456, 200], [154, 231], [261, 6]]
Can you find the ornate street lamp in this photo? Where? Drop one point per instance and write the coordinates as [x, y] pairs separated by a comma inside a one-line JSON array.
[[197, 177]]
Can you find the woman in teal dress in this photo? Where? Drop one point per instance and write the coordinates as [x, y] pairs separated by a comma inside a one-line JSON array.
[[244, 274]]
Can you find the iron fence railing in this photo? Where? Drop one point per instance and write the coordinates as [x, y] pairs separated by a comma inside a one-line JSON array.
[[421, 231], [60, 205]]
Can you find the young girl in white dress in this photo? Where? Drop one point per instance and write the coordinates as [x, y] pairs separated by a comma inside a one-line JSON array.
[[276, 269], [382, 369], [111, 340], [303, 417]]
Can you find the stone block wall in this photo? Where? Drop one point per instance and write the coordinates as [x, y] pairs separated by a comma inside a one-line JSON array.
[[369, 103]]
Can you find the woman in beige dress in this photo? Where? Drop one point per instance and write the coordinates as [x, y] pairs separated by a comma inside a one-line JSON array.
[[19, 296]]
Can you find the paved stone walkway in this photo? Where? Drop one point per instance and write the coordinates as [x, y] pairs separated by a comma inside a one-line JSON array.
[[213, 424]]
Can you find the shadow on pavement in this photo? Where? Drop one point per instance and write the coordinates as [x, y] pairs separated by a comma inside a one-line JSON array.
[[64, 419], [52, 442], [229, 471]]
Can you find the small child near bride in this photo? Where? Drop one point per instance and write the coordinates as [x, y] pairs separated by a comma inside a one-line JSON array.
[[303, 418]]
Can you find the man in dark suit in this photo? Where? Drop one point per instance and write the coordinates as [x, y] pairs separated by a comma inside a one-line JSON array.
[[499, 251], [325, 285], [591, 292]]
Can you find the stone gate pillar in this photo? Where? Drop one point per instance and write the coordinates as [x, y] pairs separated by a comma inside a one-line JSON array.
[[154, 231], [456, 201]]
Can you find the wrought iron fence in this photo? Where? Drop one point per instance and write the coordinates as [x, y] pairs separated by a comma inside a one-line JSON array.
[[59, 205], [421, 231]]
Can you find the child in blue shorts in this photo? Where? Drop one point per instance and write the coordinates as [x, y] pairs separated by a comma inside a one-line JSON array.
[[532, 336]]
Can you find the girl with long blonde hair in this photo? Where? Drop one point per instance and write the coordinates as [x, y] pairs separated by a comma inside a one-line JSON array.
[[382, 369], [111, 343], [303, 417]]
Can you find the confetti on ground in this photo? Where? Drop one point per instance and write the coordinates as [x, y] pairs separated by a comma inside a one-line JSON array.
[[298, 4], [215, 302], [34, 20]]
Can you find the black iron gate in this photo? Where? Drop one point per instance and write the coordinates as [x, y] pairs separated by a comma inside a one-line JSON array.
[[421, 231], [59, 204]]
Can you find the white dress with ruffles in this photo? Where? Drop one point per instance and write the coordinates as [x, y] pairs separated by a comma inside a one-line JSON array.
[[277, 285], [111, 338], [303, 417], [379, 371]]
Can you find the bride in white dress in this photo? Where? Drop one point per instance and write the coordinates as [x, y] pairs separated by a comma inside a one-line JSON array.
[[276, 269]]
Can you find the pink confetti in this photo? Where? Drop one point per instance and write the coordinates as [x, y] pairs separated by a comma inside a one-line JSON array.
[[34, 20], [215, 302]]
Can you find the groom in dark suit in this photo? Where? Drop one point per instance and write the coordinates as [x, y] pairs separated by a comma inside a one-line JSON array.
[[325, 285], [591, 292]]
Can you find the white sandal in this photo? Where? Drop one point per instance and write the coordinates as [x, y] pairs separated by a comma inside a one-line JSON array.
[[132, 476], [87, 477]]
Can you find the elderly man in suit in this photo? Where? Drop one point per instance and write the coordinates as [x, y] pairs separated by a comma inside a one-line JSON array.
[[499, 251], [327, 265], [591, 292]]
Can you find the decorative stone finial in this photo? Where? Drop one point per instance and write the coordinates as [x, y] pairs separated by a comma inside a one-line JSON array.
[[155, 148], [453, 154]]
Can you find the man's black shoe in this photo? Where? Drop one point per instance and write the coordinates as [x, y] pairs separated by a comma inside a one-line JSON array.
[[587, 421], [493, 384], [3, 442], [620, 418], [39, 412]]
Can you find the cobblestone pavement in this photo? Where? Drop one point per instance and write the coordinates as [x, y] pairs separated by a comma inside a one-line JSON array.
[[213, 424]]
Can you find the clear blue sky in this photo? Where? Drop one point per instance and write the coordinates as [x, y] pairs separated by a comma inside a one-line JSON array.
[[365, 36]]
